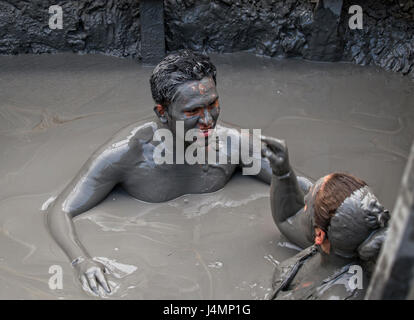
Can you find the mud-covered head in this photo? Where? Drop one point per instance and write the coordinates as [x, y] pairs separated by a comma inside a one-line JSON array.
[[183, 86], [345, 214]]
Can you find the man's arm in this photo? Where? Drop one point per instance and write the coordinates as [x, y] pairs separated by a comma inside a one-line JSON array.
[[95, 180], [265, 173], [287, 196], [247, 157]]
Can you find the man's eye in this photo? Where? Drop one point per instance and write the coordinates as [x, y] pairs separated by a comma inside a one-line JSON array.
[[192, 112], [215, 104]]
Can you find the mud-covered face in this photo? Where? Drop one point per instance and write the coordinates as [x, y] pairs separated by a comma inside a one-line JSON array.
[[196, 104]]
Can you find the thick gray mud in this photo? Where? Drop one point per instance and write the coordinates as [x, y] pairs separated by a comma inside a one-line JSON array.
[[56, 110]]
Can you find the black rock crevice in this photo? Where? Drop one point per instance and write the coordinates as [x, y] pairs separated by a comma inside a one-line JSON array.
[[274, 28]]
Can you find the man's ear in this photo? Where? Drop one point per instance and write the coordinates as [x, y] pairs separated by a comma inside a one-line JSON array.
[[320, 236], [161, 113]]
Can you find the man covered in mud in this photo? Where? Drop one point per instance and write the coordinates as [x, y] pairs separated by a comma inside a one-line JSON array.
[[340, 222], [183, 86]]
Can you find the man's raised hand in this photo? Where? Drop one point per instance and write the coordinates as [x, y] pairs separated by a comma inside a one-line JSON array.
[[276, 151]]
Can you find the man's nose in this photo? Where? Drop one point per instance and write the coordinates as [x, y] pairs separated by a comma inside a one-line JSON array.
[[206, 117]]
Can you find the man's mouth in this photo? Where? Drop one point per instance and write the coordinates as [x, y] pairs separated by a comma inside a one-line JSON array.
[[205, 131]]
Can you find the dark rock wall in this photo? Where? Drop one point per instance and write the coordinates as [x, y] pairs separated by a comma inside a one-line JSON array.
[[271, 28], [282, 28], [325, 42], [387, 39], [104, 26], [393, 278]]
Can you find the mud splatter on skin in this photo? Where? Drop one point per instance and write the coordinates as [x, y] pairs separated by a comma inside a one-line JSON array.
[[334, 117]]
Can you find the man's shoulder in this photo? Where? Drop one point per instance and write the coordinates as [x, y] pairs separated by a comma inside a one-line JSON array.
[[139, 132], [224, 129], [228, 129], [129, 139]]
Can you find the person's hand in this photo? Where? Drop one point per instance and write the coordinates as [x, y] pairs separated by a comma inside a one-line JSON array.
[[376, 216], [92, 275], [276, 151], [376, 220]]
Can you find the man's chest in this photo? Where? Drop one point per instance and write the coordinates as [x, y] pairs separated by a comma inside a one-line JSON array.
[[157, 183]]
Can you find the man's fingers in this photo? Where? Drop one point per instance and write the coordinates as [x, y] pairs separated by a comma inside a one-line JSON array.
[[92, 283], [274, 144], [267, 153], [84, 281], [271, 140], [272, 159], [265, 150], [102, 281]]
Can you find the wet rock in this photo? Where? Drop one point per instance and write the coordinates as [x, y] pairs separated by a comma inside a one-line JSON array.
[[282, 28], [152, 31], [387, 37], [271, 28], [325, 42], [110, 27]]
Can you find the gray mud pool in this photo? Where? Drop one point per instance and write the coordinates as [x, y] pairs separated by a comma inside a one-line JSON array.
[[55, 110]]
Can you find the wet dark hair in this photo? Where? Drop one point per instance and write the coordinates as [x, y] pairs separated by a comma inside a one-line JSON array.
[[335, 188], [177, 68]]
